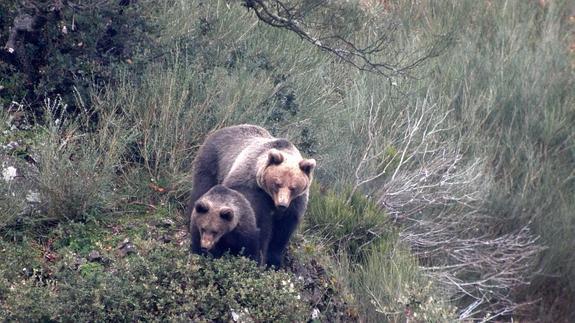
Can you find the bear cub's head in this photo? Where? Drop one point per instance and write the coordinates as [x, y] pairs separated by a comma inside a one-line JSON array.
[[217, 213], [286, 176]]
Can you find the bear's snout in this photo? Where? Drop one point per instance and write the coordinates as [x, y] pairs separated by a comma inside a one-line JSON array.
[[282, 199], [207, 242]]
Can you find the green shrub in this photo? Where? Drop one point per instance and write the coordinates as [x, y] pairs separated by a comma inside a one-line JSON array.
[[164, 285], [350, 225], [378, 269], [54, 279]]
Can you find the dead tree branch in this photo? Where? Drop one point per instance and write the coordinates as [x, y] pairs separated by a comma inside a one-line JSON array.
[[437, 196], [291, 16]]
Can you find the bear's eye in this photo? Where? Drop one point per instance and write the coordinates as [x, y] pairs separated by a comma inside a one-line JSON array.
[[227, 215], [201, 208]]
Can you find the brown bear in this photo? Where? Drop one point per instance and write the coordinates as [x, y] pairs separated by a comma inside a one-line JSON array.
[[222, 220], [270, 172]]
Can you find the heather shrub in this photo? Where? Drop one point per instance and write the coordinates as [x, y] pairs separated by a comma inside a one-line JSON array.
[[163, 285]]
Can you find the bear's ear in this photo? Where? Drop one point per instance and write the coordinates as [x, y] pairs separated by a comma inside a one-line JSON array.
[[201, 207], [227, 214], [307, 165], [275, 157]]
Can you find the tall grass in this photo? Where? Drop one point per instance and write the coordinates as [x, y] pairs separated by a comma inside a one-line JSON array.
[[216, 67], [508, 81], [384, 277], [490, 117], [74, 172], [78, 170], [390, 287]]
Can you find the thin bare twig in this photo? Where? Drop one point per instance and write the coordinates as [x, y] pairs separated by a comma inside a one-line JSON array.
[[278, 14]]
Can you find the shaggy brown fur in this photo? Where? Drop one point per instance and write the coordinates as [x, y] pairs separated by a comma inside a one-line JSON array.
[[222, 220], [270, 173]]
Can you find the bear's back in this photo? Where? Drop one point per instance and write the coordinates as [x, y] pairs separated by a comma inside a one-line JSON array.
[[239, 148], [242, 132], [226, 144], [249, 158]]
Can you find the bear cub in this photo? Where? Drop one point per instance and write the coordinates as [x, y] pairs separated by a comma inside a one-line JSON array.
[[222, 220]]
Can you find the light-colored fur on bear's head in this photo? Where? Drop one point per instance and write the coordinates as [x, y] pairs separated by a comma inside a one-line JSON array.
[[215, 214], [285, 175]]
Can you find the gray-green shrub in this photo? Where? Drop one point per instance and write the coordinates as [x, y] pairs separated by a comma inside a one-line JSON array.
[[77, 170]]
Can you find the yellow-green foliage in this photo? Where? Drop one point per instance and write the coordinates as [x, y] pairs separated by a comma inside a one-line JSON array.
[[352, 225]]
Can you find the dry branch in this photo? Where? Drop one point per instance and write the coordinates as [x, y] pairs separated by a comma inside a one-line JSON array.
[[437, 195], [291, 15]]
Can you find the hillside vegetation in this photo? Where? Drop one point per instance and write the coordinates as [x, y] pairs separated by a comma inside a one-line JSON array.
[[444, 192]]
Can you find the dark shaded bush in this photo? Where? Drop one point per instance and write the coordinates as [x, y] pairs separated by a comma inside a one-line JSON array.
[[60, 48]]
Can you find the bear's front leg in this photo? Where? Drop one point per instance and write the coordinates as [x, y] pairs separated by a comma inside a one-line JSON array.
[[282, 231], [252, 247], [284, 226], [195, 243]]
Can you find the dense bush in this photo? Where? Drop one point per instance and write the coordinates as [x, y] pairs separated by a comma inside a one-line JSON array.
[[163, 285], [65, 50], [349, 224]]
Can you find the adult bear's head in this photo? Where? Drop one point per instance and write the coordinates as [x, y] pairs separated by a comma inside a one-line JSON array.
[[286, 176]]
